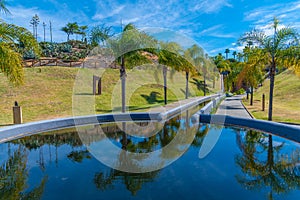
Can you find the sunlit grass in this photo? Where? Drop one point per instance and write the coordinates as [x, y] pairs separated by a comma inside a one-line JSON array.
[[286, 105], [48, 91]]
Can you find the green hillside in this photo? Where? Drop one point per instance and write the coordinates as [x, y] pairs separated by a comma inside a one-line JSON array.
[[286, 105], [48, 91]]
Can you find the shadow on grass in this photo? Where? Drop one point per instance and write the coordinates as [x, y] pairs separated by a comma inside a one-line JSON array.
[[200, 85], [136, 108], [3, 125], [152, 98], [88, 94]]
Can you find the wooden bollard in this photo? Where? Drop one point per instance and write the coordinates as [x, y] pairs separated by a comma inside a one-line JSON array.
[[96, 86], [17, 114], [263, 102]]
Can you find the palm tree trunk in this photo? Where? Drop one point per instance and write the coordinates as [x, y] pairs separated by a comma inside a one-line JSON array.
[[187, 85], [123, 82], [204, 86], [165, 83], [272, 80], [251, 97]]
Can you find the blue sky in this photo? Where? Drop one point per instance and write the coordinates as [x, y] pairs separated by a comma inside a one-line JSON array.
[[213, 24]]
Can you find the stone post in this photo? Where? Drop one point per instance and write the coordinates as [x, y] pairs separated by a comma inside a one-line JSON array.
[[17, 114]]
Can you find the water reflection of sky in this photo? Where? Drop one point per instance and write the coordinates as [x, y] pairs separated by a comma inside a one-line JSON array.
[[189, 177]]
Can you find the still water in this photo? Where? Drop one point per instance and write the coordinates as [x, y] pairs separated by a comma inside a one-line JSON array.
[[61, 164]]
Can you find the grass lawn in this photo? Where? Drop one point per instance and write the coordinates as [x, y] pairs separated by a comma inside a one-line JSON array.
[[48, 92], [286, 104]]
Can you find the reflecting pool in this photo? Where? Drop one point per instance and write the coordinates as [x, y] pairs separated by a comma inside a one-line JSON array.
[[243, 164]]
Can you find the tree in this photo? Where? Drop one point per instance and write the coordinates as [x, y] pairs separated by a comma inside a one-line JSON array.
[[223, 67], [252, 72], [201, 62], [35, 22], [227, 51], [126, 48], [70, 29], [273, 46], [12, 37], [169, 56], [3, 7], [99, 34], [234, 54], [82, 31], [239, 56]]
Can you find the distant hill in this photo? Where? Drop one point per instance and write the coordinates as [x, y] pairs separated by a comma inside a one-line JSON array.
[[286, 105]]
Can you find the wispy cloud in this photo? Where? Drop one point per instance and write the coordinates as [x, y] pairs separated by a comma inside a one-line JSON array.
[[208, 6], [112, 13], [287, 12]]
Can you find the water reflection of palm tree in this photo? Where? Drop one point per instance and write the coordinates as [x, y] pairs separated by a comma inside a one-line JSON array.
[[13, 178], [264, 165]]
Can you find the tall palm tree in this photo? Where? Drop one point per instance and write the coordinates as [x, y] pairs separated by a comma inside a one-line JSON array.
[[35, 22], [82, 31], [70, 29], [169, 57], [239, 56], [11, 38], [227, 51], [252, 72], [234, 54], [273, 46], [126, 48], [201, 62], [99, 34]]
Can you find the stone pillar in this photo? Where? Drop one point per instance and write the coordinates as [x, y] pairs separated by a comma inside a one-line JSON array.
[[17, 114], [96, 86]]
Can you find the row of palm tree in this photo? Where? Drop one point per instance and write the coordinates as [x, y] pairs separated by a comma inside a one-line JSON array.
[[262, 52], [74, 28], [128, 48]]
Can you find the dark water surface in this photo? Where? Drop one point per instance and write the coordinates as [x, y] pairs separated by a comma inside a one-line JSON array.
[[242, 164]]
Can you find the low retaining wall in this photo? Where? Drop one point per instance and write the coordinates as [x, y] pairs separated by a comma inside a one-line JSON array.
[[22, 130], [290, 132]]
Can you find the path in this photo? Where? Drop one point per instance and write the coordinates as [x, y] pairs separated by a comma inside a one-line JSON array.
[[233, 106]]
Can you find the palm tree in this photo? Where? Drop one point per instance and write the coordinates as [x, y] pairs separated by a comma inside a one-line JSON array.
[[239, 56], [70, 29], [223, 67], [126, 48], [201, 61], [99, 34], [252, 72], [234, 54], [169, 56], [82, 31], [3, 7], [34, 22], [11, 54], [227, 51], [273, 46]]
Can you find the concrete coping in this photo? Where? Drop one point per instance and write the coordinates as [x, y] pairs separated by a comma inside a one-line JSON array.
[[21, 130], [286, 131]]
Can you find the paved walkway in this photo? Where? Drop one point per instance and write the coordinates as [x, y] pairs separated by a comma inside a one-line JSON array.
[[233, 106]]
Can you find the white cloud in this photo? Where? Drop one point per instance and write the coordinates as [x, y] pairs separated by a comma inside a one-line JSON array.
[[117, 10], [208, 6], [286, 12], [211, 29]]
